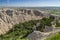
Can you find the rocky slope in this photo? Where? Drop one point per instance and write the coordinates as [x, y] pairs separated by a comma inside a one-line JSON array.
[[12, 16]]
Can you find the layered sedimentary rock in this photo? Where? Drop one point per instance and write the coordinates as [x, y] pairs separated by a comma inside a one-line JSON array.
[[12, 16]]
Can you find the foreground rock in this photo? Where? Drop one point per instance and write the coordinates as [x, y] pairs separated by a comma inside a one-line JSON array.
[[36, 35]]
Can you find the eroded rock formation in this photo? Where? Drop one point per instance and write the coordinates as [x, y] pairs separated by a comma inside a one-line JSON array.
[[12, 16]]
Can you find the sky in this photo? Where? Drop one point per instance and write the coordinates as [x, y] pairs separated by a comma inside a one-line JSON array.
[[29, 3]]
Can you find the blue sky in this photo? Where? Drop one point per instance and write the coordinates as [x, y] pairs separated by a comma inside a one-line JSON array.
[[30, 3]]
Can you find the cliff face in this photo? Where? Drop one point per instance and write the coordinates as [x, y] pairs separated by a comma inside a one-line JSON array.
[[11, 16]]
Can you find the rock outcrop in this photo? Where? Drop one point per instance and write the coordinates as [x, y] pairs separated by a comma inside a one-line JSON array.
[[12, 16]]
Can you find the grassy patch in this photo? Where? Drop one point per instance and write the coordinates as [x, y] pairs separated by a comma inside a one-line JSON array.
[[54, 37], [55, 11]]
